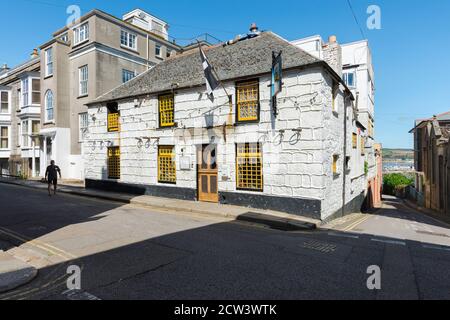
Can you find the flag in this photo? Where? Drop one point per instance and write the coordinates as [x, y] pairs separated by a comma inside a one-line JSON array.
[[211, 82]]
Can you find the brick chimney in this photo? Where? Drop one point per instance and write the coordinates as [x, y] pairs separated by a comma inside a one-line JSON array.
[[332, 53]]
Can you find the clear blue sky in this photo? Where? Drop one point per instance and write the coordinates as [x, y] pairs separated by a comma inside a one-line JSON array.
[[411, 51]]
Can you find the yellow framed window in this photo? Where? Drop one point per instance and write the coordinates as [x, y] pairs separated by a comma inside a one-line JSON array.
[[114, 163], [166, 110], [355, 141], [249, 167], [247, 101], [113, 117], [167, 170], [335, 164]]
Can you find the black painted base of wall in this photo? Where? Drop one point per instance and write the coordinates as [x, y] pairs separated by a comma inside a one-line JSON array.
[[136, 189], [298, 206], [351, 207]]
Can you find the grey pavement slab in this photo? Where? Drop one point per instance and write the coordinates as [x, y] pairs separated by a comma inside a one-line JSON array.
[[14, 273]]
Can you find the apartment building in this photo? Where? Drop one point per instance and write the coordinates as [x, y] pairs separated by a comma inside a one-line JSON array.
[[358, 73], [160, 134], [84, 61], [20, 118], [432, 162]]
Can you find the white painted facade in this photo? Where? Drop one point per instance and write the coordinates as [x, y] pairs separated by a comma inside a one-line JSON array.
[[358, 73], [296, 165]]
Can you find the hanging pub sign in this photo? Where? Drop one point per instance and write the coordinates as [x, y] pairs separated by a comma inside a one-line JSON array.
[[277, 79]]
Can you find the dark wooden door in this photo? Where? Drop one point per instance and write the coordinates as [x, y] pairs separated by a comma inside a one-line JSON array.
[[207, 173]]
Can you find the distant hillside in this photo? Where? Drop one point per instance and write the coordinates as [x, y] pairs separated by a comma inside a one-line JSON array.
[[398, 154]]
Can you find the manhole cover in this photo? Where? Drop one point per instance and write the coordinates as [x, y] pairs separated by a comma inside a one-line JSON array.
[[319, 246]]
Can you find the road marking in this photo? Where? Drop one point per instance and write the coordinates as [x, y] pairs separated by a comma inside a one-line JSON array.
[[400, 243], [77, 295], [39, 244], [18, 294], [427, 246], [357, 223], [334, 234]]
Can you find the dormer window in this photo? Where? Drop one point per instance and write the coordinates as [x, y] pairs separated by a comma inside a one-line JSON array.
[[81, 34]]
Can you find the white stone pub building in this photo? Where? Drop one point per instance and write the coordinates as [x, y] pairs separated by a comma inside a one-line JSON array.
[[159, 134]]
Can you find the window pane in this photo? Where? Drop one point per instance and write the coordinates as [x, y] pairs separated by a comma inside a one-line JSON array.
[[248, 101], [167, 172], [249, 167], [166, 110], [114, 163]]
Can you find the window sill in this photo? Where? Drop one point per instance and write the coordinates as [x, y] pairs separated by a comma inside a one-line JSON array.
[[168, 183], [49, 122], [83, 96], [79, 44], [251, 190], [130, 49], [247, 122], [48, 76]]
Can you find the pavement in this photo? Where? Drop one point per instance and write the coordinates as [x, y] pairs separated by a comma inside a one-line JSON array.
[[270, 218], [127, 251], [14, 272]]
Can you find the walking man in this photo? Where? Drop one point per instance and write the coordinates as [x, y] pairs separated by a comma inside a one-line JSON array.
[[51, 175]]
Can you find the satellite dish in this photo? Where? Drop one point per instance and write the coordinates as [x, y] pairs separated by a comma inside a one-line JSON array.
[[142, 15]]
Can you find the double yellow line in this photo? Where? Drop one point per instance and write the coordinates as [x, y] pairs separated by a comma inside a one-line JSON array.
[[67, 256], [357, 223], [38, 244]]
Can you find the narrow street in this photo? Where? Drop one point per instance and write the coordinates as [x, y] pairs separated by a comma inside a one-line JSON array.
[[129, 252]]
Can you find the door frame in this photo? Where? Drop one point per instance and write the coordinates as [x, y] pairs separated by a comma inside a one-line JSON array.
[[199, 152]]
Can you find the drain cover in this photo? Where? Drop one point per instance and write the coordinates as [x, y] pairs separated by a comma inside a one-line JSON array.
[[319, 246]]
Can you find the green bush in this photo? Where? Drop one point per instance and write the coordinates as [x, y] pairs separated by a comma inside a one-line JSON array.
[[394, 182]]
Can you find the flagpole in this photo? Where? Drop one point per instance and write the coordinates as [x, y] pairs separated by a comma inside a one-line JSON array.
[[230, 97]]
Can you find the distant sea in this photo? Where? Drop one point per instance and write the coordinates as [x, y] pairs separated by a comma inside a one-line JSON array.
[[391, 166]]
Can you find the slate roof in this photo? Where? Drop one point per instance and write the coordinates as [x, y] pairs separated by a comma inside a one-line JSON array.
[[242, 59]]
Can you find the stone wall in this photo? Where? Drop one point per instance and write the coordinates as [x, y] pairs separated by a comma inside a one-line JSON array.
[[295, 166]]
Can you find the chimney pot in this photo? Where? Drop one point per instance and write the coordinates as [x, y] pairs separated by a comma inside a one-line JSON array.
[[332, 39], [34, 54], [253, 27]]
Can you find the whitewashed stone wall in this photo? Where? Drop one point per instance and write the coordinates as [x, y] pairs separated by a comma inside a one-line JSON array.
[[295, 165]]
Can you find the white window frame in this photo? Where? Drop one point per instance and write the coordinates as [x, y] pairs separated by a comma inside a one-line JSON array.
[[49, 62], [128, 39], [345, 78], [158, 47], [8, 147], [25, 143], [81, 33], [83, 81], [8, 102], [125, 71], [47, 119], [25, 92], [31, 91], [83, 121]]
